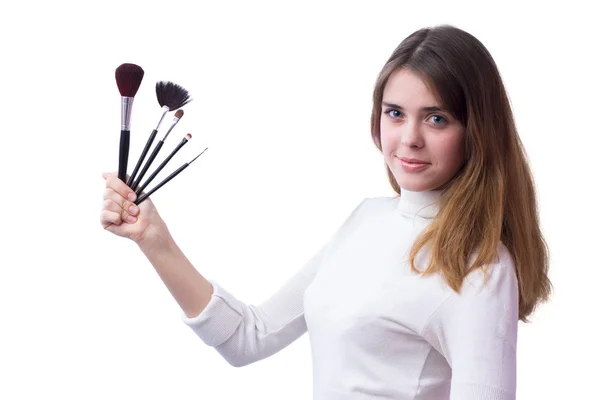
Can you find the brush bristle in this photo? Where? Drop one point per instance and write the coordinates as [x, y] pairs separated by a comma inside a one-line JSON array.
[[129, 77], [188, 136], [179, 114], [171, 95]]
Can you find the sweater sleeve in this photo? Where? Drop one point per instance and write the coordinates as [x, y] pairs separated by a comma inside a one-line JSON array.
[[245, 333], [476, 331]]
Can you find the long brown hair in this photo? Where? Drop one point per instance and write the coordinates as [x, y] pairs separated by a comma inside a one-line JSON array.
[[492, 199]]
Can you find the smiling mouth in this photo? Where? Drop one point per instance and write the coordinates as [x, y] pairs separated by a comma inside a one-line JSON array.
[[411, 160], [412, 166]]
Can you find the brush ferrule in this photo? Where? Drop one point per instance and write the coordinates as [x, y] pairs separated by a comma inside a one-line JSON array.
[[175, 121], [165, 111], [126, 106]]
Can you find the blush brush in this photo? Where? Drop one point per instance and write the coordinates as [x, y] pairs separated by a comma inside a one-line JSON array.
[[128, 77], [170, 96], [167, 179], [176, 118], [162, 165]]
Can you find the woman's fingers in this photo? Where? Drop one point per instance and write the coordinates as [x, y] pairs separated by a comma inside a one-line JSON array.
[[108, 217], [114, 202], [118, 208], [111, 213], [114, 183]]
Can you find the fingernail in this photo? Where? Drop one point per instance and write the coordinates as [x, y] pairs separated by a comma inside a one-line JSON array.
[[130, 218], [131, 196], [133, 210]]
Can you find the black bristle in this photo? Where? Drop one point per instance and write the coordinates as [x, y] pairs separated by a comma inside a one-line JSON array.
[[171, 95], [129, 77]]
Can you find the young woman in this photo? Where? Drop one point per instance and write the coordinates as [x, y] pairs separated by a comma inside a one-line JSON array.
[[416, 296]]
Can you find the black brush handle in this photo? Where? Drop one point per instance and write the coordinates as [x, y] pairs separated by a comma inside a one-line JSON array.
[[160, 167], [123, 155], [142, 157], [147, 165], [167, 179]]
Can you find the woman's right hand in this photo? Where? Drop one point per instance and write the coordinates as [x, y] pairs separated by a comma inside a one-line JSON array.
[[121, 216]]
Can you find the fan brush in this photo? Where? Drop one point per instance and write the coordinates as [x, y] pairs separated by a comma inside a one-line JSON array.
[[170, 97], [128, 77]]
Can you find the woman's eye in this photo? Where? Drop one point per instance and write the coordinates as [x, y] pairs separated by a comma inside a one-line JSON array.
[[393, 113], [438, 119]]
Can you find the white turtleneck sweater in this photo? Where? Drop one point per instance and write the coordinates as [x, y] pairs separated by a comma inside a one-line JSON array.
[[377, 330]]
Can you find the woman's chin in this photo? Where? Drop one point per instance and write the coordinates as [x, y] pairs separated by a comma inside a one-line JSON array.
[[411, 183], [416, 184]]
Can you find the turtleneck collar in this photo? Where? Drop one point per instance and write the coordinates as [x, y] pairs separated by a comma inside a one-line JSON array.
[[422, 204]]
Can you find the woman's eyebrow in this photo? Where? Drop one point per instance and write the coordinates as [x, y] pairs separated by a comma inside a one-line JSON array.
[[427, 109]]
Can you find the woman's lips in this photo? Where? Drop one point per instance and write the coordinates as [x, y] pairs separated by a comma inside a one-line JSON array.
[[412, 166]]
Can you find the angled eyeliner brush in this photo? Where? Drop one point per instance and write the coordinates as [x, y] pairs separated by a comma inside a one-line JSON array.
[[162, 165], [128, 77], [170, 97], [167, 179], [178, 116]]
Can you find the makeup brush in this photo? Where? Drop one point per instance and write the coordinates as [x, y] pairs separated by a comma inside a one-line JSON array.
[[128, 77], [162, 165], [178, 116], [170, 96], [167, 179]]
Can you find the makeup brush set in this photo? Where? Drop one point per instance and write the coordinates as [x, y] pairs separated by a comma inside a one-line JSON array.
[[171, 97]]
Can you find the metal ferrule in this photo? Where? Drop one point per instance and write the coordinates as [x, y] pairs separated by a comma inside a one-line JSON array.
[[165, 111], [175, 121], [126, 105]]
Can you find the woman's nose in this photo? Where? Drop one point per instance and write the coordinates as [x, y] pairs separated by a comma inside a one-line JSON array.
[[410, 135]]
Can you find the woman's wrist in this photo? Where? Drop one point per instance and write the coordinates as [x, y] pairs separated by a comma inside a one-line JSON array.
[[162, 242]]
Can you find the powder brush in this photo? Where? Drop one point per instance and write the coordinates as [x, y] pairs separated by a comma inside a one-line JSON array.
[[128, 77]]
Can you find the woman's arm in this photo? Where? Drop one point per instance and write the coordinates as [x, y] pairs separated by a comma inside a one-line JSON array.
[[245, 333], [187, 286], [240, 332], [476, 331]]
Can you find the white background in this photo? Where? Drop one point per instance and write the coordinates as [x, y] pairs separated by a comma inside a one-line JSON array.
[[282, 98]]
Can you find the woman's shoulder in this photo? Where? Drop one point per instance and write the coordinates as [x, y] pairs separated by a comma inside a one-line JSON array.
[[368, 208], [499, 270], [378, 203]]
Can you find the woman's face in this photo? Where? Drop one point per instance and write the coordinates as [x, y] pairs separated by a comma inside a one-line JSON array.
[[413, 126]]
